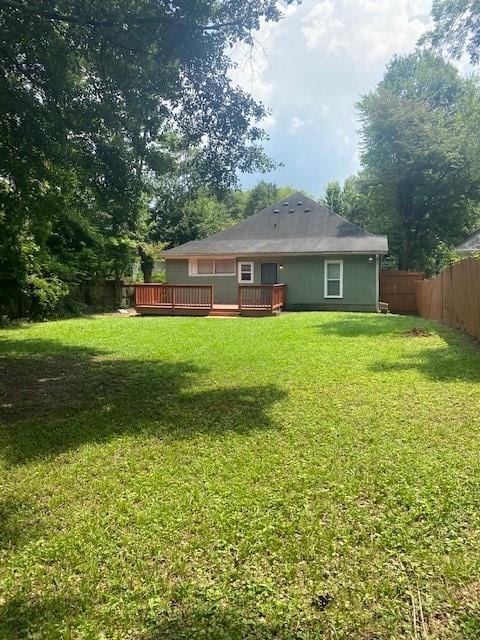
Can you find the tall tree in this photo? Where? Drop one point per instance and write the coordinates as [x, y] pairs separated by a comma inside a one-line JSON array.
[[333, 197], [97, 100], [415, 154], [456, 27], [184, 216], [263, 195]]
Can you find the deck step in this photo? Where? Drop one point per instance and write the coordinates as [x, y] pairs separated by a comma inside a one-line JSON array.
[[225, 313]]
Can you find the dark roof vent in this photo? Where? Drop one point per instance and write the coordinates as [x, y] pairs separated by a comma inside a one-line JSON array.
[[285, 204], [276, 211], [290, 211], [307, 209], [300, 203]]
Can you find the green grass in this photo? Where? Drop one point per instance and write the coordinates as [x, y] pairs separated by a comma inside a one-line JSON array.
[[307, 476]]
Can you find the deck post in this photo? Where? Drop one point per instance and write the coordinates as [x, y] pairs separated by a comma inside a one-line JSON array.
[[173, 297]]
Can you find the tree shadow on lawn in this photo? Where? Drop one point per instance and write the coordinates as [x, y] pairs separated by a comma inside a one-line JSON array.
[[222, 623], [355, 325], [25, 616], [459, 359], [445, 364], [16, 524], [54, 398]]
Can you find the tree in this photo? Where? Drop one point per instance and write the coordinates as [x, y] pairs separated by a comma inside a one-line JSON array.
[[333, 197], [263, 195], [456, 28], [184, 216], [357, 204], [420, 175], [99, 99]]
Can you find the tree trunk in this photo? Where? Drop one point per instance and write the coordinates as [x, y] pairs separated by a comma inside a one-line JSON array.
[[118, 288], [404, 258], [405, 206], [146, 264], [147, 270]]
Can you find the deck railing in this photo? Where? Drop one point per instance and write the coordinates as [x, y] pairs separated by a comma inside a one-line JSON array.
[[261, 297], [174, 296]]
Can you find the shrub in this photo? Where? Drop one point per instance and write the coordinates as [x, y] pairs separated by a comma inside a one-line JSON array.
[[45, 294]]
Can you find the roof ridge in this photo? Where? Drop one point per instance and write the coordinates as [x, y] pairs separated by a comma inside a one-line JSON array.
[[296, 218], [321, 203]]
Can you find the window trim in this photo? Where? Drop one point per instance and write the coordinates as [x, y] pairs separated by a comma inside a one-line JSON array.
[[252, 272], [193, 268], [327, 279]]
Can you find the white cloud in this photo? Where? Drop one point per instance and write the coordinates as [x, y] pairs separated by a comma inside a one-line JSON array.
[[320, 24], [366, 31], [269, 121], [296, 123], [311, 68]]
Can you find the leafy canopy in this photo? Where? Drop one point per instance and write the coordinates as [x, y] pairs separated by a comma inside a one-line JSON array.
[[100, 100], [416, 131], [456, 28]]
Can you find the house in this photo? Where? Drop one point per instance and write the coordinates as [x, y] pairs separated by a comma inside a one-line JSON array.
[[295, 254], [470, 246]]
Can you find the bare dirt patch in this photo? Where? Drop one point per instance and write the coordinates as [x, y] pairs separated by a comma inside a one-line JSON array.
[[416, 332]]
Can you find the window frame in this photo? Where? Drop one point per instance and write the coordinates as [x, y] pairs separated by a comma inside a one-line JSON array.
[[193, 267], [229, 273], [252, 272], [327, 279]]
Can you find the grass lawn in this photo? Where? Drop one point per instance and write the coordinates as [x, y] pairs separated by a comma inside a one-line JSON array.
[[307, 476]]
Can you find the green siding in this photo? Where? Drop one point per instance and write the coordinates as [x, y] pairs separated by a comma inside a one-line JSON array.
[[224, 287], [304, 277]]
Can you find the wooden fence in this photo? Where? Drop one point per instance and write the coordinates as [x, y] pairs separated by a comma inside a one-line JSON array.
[[453, 297], [398, 289]]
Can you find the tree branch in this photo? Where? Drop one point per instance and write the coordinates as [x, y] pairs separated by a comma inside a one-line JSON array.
[[115, 22]]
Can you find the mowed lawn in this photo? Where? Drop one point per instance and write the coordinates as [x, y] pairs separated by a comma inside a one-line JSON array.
[[315, 475]]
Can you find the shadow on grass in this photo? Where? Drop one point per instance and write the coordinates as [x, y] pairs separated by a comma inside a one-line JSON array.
[[458, 359], [356, 325], [23, 617], [54, 398], [444, 364], [15, 522], [217, 623]]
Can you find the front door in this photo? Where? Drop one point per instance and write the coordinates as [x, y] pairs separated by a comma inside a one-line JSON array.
[[269, 273]]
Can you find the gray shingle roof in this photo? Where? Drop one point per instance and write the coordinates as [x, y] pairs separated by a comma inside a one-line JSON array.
[[296, 224], [470, 244]]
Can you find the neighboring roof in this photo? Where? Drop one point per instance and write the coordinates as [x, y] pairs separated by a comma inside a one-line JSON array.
[[470, 244], [295, 224]]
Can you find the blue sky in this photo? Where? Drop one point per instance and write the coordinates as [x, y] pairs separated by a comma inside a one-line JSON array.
[[310, 69]]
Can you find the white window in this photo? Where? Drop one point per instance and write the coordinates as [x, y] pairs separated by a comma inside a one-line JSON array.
[[333, 279], [204, 267], [211, 267], [245, 272]]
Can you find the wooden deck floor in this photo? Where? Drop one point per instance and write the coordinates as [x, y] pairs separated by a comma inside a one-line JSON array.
[[165, 299], [217, 310]]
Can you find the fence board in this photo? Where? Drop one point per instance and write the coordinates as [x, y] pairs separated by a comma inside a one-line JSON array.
[[397, 288], [453, 297]]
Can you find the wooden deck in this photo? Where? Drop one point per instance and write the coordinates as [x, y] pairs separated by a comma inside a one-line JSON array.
[[173, 299]]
